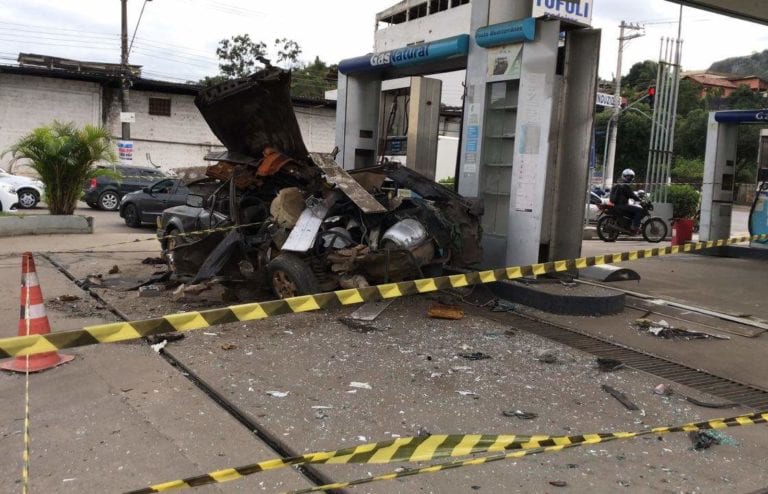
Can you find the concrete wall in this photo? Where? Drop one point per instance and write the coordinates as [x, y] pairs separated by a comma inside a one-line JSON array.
[[177, 141], [27, 102]]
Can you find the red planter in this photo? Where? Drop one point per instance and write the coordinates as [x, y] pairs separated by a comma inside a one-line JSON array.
[[682, 230]]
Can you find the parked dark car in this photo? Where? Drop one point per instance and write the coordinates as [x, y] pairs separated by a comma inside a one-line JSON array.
[[105, 192], [145, 205], [275, 214]]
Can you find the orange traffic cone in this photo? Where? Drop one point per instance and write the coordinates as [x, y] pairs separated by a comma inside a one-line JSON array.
[[33, 320]]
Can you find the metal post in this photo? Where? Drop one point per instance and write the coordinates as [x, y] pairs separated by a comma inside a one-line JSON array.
[[124, 73], [611, 153]]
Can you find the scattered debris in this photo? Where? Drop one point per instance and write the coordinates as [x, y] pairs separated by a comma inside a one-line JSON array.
[[151, 290], [90, 280], [503, 306], [662, 329], [371, 310], [711, 405], [361, 326], [608, 364], [547, 356], [159, 346], [474, 356], [558, 483], [469, 393], [153, 260], [321, 407], [170, 337], [115, 269], [519, 414], [320, 414], [184, 290], [621, 397], [706, 438], [355, 384], [67, 298], [278, 394], [228, 346], [663, 390], [440, 311]]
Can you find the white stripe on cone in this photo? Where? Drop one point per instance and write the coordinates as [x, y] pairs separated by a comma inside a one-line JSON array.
[[34, 311], [29, 279]]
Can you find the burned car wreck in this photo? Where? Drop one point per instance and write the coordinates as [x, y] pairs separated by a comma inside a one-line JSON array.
[[274, 213]]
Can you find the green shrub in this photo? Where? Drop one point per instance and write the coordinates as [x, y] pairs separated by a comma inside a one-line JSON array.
[[684, 200]]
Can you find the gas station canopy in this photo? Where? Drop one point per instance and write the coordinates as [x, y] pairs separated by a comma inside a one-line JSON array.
[[748, 10]]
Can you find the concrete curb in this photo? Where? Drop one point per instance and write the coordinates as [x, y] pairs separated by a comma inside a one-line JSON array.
[[556, 298], [41, 224]]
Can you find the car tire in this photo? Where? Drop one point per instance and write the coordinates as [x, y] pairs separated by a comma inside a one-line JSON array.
[[132, 216], [607, 229], [109, 200], [289, 276], [168, 245], [28, 198]]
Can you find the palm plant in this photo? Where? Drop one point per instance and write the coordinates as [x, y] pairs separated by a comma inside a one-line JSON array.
[[65, 157]]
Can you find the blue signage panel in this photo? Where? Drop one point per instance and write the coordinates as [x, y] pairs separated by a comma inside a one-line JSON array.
[[742, 116], [423, 53], [506, 33]]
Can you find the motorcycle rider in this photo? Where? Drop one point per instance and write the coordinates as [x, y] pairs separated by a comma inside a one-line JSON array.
[[621, 193]]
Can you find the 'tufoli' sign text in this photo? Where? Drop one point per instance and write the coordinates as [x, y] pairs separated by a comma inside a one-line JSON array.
[[579, 11]]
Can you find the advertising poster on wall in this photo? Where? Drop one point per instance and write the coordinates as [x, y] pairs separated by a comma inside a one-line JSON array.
[[125, 152], [505, 60]]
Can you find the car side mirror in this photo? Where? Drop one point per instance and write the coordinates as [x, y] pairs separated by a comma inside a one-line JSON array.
[[146, 190], [195, 201]]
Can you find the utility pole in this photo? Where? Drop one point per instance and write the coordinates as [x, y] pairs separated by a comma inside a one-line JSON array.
[[124, 69], [611, 153]]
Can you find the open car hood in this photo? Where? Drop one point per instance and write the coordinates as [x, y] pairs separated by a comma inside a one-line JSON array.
[[252, 113]]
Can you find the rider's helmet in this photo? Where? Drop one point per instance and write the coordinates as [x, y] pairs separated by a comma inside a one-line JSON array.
[[628, 175]]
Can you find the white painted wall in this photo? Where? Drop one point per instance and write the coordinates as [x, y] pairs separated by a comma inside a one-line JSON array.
[[27, 102], [178, 141]]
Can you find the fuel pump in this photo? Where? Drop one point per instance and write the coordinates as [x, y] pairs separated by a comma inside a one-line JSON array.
[[758, 214]]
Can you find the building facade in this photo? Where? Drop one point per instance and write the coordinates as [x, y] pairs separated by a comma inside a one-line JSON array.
[[169, 132]]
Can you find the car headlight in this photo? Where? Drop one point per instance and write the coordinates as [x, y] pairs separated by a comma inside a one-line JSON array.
[[8, 188]]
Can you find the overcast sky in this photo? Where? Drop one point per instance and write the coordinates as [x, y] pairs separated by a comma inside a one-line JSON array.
[[177, 39]]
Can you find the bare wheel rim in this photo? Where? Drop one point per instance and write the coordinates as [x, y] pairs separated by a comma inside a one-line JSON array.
[[283, 285]]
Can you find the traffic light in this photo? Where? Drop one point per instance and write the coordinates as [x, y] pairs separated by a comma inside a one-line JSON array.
[[651, 96]]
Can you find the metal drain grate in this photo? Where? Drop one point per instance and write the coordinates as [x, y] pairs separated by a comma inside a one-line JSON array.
[[729, 390]]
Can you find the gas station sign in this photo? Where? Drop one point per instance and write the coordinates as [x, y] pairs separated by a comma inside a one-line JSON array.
[[578, 11]]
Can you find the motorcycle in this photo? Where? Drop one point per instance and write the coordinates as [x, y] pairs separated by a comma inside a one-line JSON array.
[[611, 223]]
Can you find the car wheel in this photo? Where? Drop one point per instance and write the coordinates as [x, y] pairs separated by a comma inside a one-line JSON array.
[[132, 216], [171, 241], [608, 229], [109, 200], [654, 230], [28, 198], [289, 276]]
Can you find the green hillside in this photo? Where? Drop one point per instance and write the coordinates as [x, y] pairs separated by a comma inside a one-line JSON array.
[[754, 64]]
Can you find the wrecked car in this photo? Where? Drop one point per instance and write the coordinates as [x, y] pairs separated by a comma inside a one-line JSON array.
[[296, 221]]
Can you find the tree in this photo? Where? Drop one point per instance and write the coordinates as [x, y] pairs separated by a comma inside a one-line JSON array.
[[288, 51], [641, 75], [691, 134], [689, 98], [239, 56], [65, 157], [311, 81], [745, 99]]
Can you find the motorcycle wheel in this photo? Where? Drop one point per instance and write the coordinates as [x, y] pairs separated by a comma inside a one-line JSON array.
[[608, 229], [655, 230]]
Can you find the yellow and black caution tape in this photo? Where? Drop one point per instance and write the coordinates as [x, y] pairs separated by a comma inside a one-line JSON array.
[[427, 448], [187, 321]]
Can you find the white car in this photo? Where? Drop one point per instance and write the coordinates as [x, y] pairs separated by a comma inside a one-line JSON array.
[[28, 190], [8, 198]]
